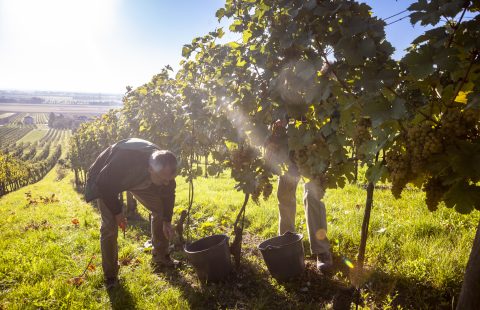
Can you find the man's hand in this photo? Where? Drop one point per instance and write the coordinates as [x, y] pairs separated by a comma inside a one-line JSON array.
[[168, 230], [121, 221]]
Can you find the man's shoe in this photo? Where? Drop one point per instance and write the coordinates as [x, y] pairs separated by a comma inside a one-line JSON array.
[[324, 262], [164, 261], [111, 283]]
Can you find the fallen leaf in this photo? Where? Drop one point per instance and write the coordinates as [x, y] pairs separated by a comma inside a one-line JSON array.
[[77, 281], [125, 261]]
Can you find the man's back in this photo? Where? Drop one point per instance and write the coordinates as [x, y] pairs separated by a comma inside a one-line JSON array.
[[122, 164]]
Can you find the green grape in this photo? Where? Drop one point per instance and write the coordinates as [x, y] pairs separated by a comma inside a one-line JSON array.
[[398, 165], [362, 132], [267, 190], [434, 190]]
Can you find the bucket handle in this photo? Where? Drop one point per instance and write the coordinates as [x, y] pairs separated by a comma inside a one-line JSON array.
[[271, 247], [274, 247]]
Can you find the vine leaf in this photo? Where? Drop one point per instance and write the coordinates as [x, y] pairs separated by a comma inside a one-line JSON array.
[[420, 63], [376, 172], [398, 108], [463, 197], [378, 111], [461, 97]]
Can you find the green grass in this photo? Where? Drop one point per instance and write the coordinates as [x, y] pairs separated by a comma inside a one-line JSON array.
[[415, 258]]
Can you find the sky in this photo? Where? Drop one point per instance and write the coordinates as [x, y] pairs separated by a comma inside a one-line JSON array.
[[104, 45]]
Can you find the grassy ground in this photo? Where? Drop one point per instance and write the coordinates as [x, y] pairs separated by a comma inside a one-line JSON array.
[[415, 258]]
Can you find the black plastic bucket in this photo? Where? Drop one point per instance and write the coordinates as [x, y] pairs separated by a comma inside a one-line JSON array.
[[284, 255], [210, 256]]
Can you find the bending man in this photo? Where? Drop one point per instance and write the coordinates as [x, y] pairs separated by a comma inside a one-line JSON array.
[[140, 167]]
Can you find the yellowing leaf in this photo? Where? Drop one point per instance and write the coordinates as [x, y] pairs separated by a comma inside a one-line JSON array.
[[220, 33], [142, 91], [233, 44], [241, 63], [77, 281], [247, 34], [462, 97]]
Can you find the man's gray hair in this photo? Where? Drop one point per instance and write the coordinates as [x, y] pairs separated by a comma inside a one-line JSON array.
[[162, 158]]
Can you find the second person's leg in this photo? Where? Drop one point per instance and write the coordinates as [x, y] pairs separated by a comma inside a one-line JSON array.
[[287, 204], [317, 224]]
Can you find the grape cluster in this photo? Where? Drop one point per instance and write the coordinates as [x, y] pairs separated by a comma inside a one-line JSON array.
[[256, 194], [241, 158], [423, 141], [362, 132], [301, 156], [457, 124], [434, 190], [398, 164], [310, 158], [262, 186], [267, 190], [244, 162]]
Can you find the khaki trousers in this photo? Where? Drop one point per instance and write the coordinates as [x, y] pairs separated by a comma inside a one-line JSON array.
[[314, 211], [109, 231]]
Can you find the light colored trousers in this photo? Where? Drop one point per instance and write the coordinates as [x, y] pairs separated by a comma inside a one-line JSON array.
[[314, 211], [109, 231]]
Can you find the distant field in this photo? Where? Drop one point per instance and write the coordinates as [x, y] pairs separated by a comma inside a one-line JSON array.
[[16, 130], [34, 135], [5, 115], [57, 108], [11, 134]]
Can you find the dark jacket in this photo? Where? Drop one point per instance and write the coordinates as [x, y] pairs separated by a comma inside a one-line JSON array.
[[121, 167], [279, 138]]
